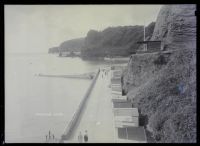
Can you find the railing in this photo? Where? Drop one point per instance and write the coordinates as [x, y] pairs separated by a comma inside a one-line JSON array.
[[69, 131]]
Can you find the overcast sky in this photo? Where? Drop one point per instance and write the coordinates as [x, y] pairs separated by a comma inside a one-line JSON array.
[[35, 28]]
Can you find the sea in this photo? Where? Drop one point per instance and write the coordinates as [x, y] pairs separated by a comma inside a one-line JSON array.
[[35, 105]]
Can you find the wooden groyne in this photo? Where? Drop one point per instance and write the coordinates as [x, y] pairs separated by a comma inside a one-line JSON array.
[[76, 117]]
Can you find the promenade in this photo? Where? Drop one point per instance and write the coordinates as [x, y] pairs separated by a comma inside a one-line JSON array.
[[97, 117], [102, 119]]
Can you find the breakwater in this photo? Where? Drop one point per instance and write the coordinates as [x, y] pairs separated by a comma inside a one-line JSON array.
[[83, 76], [72, 124]]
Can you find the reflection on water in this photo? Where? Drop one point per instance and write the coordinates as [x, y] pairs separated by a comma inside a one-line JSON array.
[[34, 105]]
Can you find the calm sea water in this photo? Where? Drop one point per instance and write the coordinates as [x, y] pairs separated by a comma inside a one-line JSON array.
[[34, 105]]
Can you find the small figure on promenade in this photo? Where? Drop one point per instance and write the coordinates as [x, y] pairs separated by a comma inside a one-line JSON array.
[[86, 136], [49, 134], [53, 136], [46, 137], [80, 138]]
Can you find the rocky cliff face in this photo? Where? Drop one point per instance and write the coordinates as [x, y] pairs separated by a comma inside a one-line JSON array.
[[163, 86], [115, 41], [141, 68], [176, 26]]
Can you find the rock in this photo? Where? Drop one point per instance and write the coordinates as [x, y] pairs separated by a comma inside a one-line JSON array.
[[176, 26]]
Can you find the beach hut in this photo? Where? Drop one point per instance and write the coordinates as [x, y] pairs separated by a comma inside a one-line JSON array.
[[131, 135], [126, 117]]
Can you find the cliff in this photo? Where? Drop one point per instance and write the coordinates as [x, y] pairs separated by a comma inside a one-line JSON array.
[[53, 50], [72, 45], [68, 46], [112, 41], [163, 85], [176, 26], [115, 41]]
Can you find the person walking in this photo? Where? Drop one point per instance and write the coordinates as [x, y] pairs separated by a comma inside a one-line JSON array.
[[49, 134], [80, 137], [53, 136], [86, 136]]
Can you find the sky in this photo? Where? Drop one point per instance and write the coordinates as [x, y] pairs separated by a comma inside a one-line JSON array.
[[36, 28]]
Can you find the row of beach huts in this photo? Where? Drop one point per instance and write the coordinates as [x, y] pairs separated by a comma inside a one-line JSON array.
[[126, 116]]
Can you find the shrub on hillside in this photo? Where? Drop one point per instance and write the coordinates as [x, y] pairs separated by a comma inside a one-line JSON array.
[[171, 111], [160, 60]]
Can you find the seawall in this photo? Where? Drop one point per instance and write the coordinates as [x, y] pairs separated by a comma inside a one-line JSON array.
[[71, 126]]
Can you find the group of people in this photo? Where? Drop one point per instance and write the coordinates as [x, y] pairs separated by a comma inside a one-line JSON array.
[[104, 72], [81, 137]]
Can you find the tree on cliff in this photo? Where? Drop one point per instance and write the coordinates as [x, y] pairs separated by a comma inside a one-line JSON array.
[[115, 41]]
